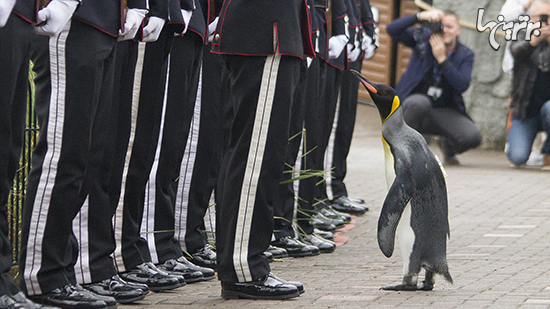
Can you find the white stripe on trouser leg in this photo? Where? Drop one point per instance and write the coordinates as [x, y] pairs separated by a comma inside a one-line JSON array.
[[254, 167], [42, 200], [149, 209], [186, 170], [329, 153], [80, 230], [117, 219]]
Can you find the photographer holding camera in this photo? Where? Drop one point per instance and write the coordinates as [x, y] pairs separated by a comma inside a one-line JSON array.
[[439, 71], [530, 92]]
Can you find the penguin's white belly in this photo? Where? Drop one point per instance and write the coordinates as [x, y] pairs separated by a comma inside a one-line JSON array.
[[405, 237]]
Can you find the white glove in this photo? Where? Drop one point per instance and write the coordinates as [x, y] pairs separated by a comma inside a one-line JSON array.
[[55, 15], [134, 17], [369, 52], [336, 45], [353, 52], [5, 11], [186, 18], [151, 32], [212, 29], [366, 41]]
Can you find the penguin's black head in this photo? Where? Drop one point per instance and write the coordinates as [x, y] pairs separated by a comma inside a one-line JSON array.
[[383, 96]]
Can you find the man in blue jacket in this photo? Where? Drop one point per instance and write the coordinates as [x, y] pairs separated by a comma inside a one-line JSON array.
[[431, 88]]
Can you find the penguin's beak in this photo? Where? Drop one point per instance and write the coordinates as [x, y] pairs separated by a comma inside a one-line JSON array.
[[364, 81]]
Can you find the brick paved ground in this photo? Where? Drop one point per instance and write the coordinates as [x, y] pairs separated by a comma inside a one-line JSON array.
[[498, 253]]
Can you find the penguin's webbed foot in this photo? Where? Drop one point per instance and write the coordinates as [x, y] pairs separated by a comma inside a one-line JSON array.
[[400, 287]]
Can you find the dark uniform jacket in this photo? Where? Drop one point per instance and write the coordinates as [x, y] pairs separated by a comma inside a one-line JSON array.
[[198, 20], [339, 20], [105, 15], [248, 28]]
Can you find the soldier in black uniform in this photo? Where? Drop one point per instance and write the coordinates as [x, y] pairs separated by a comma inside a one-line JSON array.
[[263, 42], [160, 196], [16, 35], [361, 45], [73, 117]]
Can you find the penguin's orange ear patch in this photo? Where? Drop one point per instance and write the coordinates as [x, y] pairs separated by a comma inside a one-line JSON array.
[[369, 87]]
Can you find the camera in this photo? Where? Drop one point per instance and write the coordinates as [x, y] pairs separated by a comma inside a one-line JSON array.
[[544, 19], [434, 28]]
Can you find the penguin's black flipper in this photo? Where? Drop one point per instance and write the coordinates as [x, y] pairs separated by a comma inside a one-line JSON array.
[[397, 198]]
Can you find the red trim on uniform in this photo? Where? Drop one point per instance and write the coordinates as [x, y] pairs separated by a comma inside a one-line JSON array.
[[335, 18], [221, 26], [30, 22], [201, 35], [122, 19]]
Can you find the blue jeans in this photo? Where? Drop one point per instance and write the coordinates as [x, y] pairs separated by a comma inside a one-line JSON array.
[[523, 133]]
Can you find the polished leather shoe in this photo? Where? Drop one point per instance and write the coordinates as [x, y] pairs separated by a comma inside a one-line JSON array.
[[278, 253], [337, 223], [71, 296], [332, 213], [266, 287], [207, 273], [323, 225], [295, 248], [356, 200], [154, 280], [298, 285], [268, 256], [18, 301], [343, 204], [173, 267], [123, 292], [326, 235], [205, 257], [181, 279], [325, 246]]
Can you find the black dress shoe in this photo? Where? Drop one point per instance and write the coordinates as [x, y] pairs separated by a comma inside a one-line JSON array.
[[266, 287], [319, 216], [205, 257], [333, 214], [343, 204], [326, 235], [323, 225], [173, 267], [18, 301], [325, 246], [278, 253], [70, 296], [356, 200], [298, 285], [181, 279], [207, 273], [154, 280], [295, 248], [268, 256], [109, 301], [121, 290]]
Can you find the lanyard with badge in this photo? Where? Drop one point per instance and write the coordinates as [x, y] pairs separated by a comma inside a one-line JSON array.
[[435, 91]]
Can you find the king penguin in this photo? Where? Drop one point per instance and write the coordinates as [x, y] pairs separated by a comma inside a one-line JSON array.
[[415, 207]]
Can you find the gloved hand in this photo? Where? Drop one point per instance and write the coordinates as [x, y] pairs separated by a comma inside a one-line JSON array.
[[212, 29], [151, 32], [354, 51], [134, 17], [308, 61], [55, 15], [186, 18], [336, 45], [5, 11], [369, 46], [366, 41]]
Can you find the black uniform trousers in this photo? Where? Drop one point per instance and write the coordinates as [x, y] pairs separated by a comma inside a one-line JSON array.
[[139, 138], [342, 132], [284, 201], [72, 121], [317, 123], [261, 94], [202, 164], [93, 226], [16, 38], [160, 196]]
